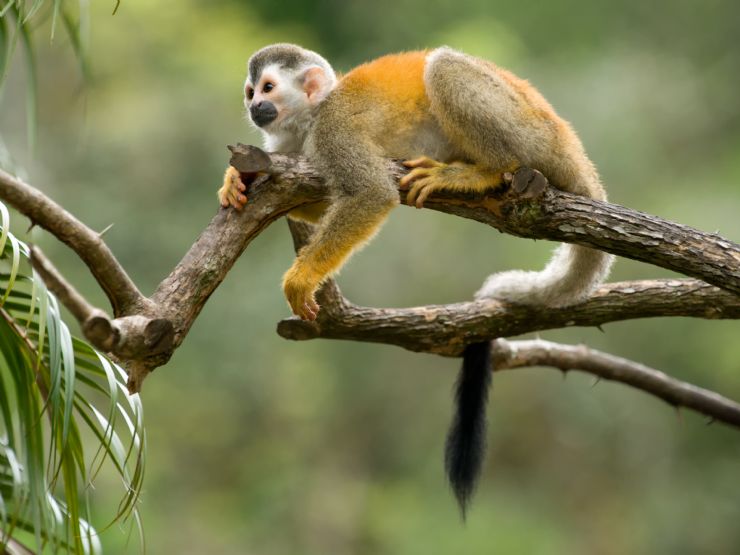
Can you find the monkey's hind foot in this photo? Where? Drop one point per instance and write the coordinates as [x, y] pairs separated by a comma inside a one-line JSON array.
[[231, 192], [428, 176]]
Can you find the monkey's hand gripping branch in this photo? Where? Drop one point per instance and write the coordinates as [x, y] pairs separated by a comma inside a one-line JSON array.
[[144, 331]]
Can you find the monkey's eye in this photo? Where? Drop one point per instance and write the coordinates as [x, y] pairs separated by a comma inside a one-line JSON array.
[[250, 93], [268, 87]]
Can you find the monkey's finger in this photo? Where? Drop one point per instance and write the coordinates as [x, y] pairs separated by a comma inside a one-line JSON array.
[[425, 192], [225, 196], [412, 176], [421, 162], [240, 201], [304, 310], [310, 311], [414, 192], [234, 200]]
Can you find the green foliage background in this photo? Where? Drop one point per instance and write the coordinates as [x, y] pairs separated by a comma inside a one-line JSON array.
[[258, 445]]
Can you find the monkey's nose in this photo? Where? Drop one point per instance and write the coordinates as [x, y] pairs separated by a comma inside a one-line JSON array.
[[263, 113]]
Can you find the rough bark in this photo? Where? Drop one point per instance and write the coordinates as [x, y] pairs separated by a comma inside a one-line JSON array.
[[446, 329]]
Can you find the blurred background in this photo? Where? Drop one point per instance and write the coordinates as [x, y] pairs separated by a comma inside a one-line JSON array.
[[262, 446]]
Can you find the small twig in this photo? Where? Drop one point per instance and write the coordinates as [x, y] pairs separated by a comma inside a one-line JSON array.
[[64, 291], [105, 230], [536, 352]]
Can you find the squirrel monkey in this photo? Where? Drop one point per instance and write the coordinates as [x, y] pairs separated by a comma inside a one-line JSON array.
[[460, 123]]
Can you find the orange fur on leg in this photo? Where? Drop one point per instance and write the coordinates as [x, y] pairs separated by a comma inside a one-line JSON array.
[[320, 258]]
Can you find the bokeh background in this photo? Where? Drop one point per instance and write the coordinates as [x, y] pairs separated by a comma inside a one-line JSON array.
[[262, 446]]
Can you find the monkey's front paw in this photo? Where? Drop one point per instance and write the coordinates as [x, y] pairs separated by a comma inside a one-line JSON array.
[[299, 289], [231, 192], [426, 177]]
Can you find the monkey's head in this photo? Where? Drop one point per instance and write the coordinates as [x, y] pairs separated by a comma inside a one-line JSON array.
[[284, 82]]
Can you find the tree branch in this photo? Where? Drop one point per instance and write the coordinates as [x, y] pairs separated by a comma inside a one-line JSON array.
[[146, 332], [78, 305], [446, 329], [41, 210], [547, 213], [519, 354]]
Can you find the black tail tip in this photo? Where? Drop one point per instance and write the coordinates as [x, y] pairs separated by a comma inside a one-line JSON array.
[[466, 440], [463, 494], [463, 467]]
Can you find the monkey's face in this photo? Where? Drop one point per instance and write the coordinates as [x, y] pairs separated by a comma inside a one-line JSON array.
[[264, 99], [281, 95]]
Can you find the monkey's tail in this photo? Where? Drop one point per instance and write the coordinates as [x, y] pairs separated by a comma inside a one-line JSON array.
[[466, 440], [571, 275]]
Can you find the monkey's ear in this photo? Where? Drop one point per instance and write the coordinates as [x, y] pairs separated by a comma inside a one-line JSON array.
[[316, 84]]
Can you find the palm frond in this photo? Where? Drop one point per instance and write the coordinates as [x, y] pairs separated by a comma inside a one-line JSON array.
[[16, 20], [57, 397]]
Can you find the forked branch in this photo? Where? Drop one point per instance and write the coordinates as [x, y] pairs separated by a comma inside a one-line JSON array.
[[144, 332]]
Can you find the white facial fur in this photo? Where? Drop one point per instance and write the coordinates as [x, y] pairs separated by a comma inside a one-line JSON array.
[[293, 101]]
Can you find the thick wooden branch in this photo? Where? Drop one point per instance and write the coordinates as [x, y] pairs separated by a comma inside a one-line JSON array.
[[154, 327], [520, 354], [446, 329]]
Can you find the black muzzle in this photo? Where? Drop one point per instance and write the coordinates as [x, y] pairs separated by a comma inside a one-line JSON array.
[[263, 113]]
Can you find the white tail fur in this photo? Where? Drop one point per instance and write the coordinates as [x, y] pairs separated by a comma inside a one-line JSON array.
[[571, 275]]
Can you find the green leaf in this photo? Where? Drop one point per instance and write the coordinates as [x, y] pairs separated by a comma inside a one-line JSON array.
[[74, 31], [4, 43], [34, 8], [23, 32], [13, 268], [55, 15]]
